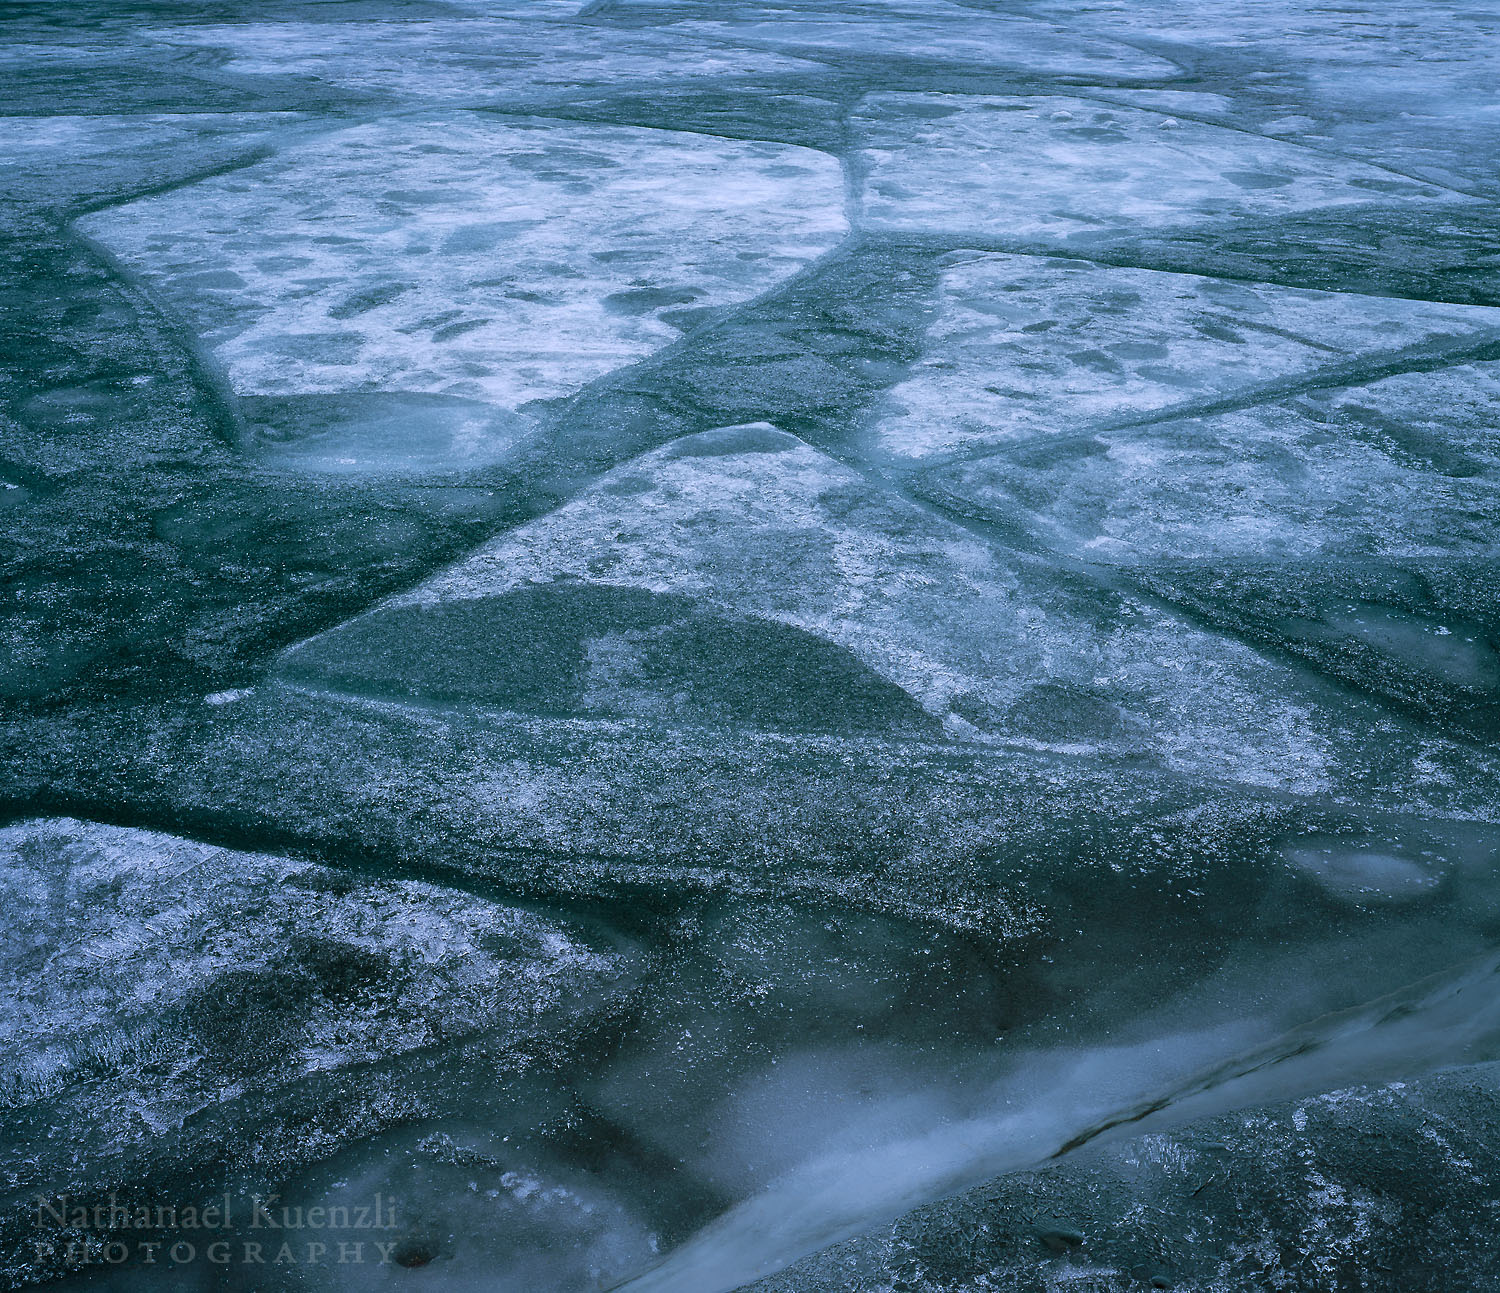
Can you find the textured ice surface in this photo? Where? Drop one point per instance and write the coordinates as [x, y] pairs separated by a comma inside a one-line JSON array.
[[464, 256], [1066, 168], [741, 576], [158, 990], [1408, 466], [931, 32], [140, 932], [1026, 347], [778, 607], [537, 223], [475, 61]]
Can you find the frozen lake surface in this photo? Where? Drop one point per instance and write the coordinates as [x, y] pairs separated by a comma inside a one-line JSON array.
[[820, 646]]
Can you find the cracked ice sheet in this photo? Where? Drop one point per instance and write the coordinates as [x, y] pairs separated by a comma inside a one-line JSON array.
[[57, 159], [1026, 346], [1060, 168], [479, 60], [1409, 86], [465, 257], [1279, 1196], [753, 521], [1406, 467], [541, 9], [242, 971], [934, 32]]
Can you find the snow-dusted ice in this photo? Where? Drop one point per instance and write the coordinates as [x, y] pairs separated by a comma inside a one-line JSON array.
[[476, 61], [155, 983], [1027, 347], [1058, 167], [799, 646], [503, 262], [328, 289], [739, 576], [1405, 466]]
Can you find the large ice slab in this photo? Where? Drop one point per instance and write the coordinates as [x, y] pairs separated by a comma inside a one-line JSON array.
[[469, 258], [478, 60], [1055, 167], [1406, 467], [741, 578], [931, 32], [1023, 347]]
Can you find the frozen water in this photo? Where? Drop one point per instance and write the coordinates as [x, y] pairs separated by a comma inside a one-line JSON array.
[[473, 62], [1311, 1186], [1025, 347], [1323, 474], [130, 925], [708, 621], [1062, 168], [739, 575], [153, 981], [498, 260], [834, 1195]]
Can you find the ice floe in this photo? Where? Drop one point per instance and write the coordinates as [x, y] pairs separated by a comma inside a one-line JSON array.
[[741, 576], [1404, 467], [476, 60], [1061, 168], [471, 258]]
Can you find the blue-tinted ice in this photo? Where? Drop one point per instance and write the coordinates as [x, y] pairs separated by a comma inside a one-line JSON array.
[[783, 644]]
